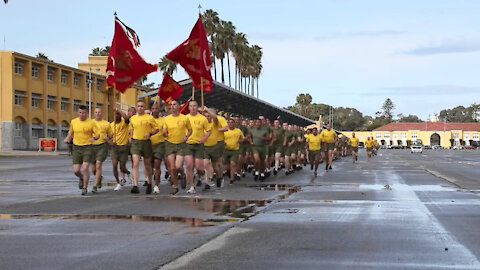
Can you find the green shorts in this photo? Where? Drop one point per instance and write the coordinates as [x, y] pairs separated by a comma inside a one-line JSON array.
[[230, 155], [159, 151], [196, 150], [243, 148], [314, 154], [221, 147], [142, 148], [213, 152], [329, 146], [261, 150], [369, 149], [278, 149], [175, 148], [81, 154], [99, 153], [354, 149], [120, 153]]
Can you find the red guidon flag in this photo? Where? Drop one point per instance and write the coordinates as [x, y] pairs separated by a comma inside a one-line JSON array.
[[194, 56], [184, 108], [125, 66], [169, 89]]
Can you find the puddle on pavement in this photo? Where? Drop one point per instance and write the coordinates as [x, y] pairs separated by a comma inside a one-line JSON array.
[[189, 222], [403, 187]]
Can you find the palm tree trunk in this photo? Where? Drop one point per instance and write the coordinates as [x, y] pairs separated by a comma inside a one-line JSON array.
[[248, 86], [236, 78], [223, 75], [228, 63], [214, 68], [257, 88]]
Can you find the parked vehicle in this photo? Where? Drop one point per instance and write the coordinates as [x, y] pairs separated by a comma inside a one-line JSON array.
[[457, 147], [416, 148], [470, 147], [436, 147], [427, 147]]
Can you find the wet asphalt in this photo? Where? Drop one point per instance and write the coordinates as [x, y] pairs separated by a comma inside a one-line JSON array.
[[395, 211]]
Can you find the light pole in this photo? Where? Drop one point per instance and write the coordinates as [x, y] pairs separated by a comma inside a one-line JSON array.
[[90, 93]]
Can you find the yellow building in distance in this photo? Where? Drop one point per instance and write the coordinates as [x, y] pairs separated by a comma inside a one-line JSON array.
[[430, 133], [39, 97]]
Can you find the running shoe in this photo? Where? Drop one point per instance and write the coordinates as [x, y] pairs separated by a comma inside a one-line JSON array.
[[167, 175], [80, 183], [191, 190], [135, 190], [84, 191], [219, 181], [256, 176], [237, 177], [94, 189], [262, 177], [174, 191], [243, 174], [330, 167], [231, 182], [199, 183], [118, 187], [311, 167], [145, 183], [123, 182], [149, 189], [206, 187], [156, 190]]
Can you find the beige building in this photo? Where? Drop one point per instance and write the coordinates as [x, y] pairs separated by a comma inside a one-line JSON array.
[[39, 97]]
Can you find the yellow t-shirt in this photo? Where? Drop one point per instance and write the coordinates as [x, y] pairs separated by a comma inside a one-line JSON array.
[[328, 136], [231, 138], [103, 128], [142, 124], [158, 138], [369, 143], [354, 141], [216, 135], [221, 124], [82, 131], [120, 132], [177, 127], [200, 126], [314, 142]]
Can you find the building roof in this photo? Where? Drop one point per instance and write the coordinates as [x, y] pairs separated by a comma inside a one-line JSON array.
[[227, 99], [430, 126]]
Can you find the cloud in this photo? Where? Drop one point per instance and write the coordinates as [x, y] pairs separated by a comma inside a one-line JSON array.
[[428, 90], [446, 47], [358, 34]]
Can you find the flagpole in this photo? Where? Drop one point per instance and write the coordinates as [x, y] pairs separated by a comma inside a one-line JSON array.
[[193, 91], [114, 111], [201, 91]]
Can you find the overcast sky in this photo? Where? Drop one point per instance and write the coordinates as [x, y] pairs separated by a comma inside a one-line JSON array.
[[424, 55]]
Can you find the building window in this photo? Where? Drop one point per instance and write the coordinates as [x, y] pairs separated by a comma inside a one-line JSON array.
[[414, 136], [64, 133], [455, 135], [19, 95], [50, 73], [403, 136], [378, 136], [475, 136], [64, 104], [51, 133], [51, 102], [37, 133], [99, 85], [76, 104], [35, 71], [36, 100], [386, 136], [64, 78], [19, 67], [87, 82], [466, 137], [75, 79], [18, 129]]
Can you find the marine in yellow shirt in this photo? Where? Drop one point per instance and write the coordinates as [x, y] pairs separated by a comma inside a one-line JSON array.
[[83, 131], [314, 141], [120, 148], [142, 127], [214, 147], [354, 141], [232, 137], [329, 137], [158, 147], [99, 148]]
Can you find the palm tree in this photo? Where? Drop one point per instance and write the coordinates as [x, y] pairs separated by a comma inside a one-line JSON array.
[[211, 21], [238, 49], [257, 66], [167, 66], [228, 35], [42, 56]]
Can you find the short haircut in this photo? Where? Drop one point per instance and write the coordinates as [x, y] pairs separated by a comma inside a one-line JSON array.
[[82, 107]]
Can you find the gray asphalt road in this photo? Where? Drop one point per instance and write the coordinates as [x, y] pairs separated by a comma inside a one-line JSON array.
[[398, 211]]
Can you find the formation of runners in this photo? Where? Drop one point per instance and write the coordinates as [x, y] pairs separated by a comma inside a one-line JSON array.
[[199, 150]]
